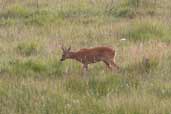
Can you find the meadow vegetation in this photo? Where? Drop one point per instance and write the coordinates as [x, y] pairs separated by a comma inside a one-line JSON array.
[[34, 81]]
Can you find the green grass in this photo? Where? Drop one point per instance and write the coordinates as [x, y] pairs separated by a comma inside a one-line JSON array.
[[145, 30], [27, 48], [135, 8], [33, 80]]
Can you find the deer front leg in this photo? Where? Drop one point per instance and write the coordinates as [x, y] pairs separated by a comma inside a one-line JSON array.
[[85, 68]]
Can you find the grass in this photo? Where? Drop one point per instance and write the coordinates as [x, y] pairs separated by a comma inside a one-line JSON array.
[[33, 80], [146, 30], [27, 49], [136, 8]]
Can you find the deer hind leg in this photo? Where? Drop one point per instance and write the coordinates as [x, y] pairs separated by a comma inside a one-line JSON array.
[[108, 65], [113, 64]]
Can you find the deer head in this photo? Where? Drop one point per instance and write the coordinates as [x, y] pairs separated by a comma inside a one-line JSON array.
[[66, 53]]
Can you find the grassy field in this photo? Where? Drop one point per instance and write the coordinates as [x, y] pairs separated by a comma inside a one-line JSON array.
[[34, 81]]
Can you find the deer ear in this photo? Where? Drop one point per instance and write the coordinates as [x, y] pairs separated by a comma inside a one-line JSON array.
[[69, 48], [62, 47]]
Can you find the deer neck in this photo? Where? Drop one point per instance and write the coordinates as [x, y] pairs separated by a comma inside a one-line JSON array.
[[72, 55]]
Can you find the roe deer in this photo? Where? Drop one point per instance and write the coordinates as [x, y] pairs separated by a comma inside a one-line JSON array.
[[91, 55]]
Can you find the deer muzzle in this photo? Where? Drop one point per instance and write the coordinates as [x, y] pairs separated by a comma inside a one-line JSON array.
[[62, 59]]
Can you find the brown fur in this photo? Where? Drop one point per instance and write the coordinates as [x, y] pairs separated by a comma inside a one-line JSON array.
[[92, 55]]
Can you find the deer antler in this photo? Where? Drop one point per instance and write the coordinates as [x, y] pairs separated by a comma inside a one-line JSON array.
[[69, 48]]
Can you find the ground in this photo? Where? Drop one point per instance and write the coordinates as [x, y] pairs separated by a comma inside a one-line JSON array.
[[34, 81]]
